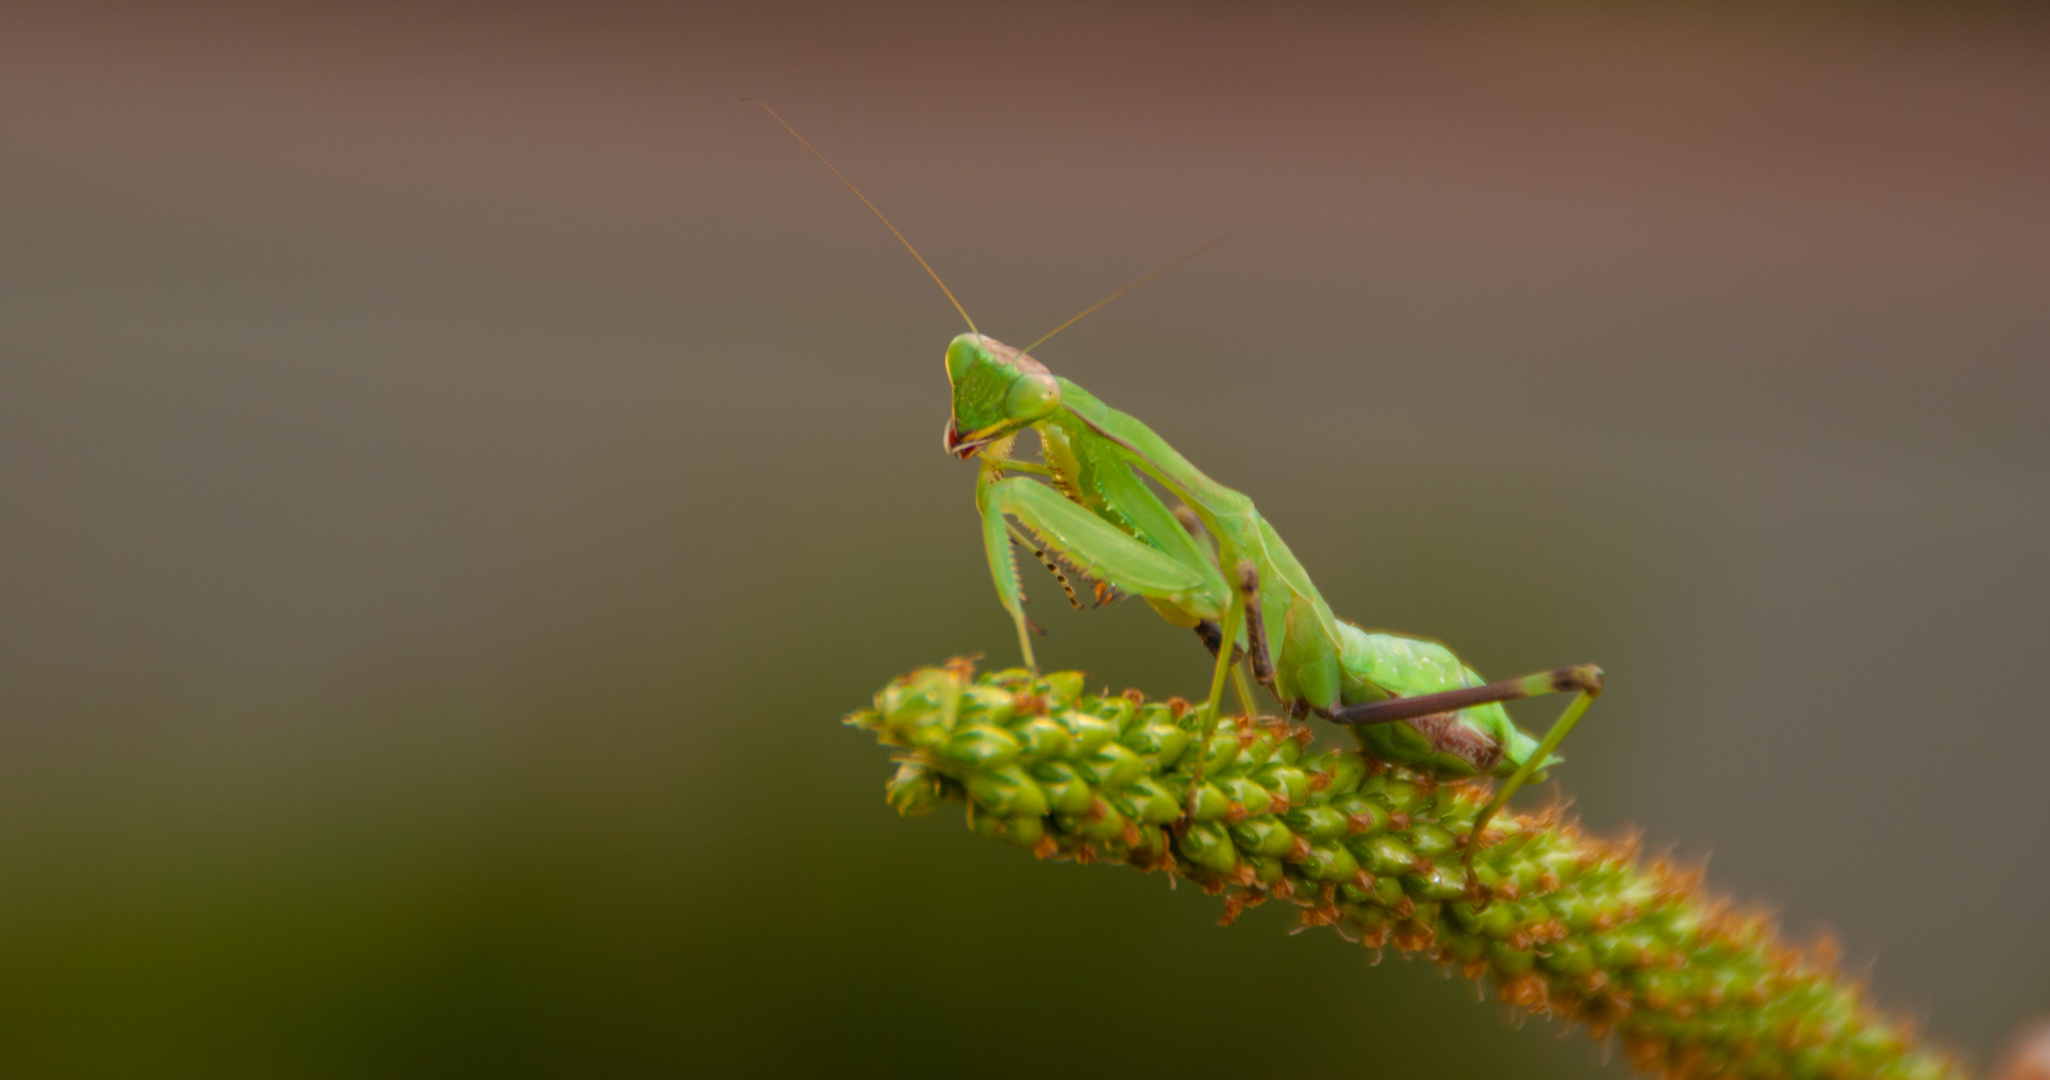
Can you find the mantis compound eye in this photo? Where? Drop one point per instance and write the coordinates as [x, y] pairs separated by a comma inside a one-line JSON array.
[[962, 353], [1033, 396]]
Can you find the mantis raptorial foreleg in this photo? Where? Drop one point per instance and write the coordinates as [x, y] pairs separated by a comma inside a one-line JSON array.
[[1095, 548]]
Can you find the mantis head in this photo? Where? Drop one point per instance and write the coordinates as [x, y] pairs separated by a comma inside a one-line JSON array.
[[997, 391]]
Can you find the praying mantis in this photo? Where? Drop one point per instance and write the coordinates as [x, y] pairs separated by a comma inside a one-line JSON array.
[[1212, 564]]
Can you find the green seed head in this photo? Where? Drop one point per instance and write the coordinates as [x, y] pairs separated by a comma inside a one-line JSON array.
[[1557, 921]]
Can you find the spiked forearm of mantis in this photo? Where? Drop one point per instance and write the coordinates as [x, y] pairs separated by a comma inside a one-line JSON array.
[[1559, 922]]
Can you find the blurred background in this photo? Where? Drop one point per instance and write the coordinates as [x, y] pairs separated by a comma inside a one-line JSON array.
[[458, 464]]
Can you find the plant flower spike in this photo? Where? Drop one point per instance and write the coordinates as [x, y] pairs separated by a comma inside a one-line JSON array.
[[1559, 922]]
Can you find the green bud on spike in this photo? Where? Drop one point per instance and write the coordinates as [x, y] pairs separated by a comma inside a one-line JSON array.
[[1164, 741], [980, 747], [1384, 854], [1466, 950], [1211, 802], [1285, 780], [1330, 862], [1573, 910], [1492, 921], [1007, 792], [908, 700], [1247, 793], [1112, 766], [1153, 712], [1152, 850], [1267, 871], [1288, 751], [1441, 882], [1432, 841], [1062, 688], [1362, 815], [1263, 836], [986, 705], [1511, 961], [1148, 801], [1040, 737], [913, 792], [1207, 846], [1102, 822], [1319, 823], [1256, 753], [1345, 772], [1016, 678], [914, 716], [1399, 795], [1089, 732], [1569, 958], [1023, 832], [1121, 712], [1389, 893], [1066, 790]]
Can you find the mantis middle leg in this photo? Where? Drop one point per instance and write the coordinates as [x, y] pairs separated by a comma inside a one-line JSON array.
[[1242, 603]]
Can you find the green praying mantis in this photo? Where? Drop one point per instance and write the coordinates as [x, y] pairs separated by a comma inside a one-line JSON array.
[[1214, 565]]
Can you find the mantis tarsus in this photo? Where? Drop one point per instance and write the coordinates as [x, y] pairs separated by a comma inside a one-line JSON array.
[[1213, 565]]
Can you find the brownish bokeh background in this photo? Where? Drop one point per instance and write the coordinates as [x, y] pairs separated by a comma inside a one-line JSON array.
[[458, 464]]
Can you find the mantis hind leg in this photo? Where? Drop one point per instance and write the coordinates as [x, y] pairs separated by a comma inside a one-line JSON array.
[[1590, 689], [1586, 678], [1584, 682]]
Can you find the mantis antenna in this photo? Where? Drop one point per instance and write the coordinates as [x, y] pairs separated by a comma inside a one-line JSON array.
[[1123, 291], [778, 117]]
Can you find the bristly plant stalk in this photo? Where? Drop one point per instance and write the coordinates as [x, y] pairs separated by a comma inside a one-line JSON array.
[[1561, 923]]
